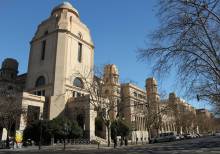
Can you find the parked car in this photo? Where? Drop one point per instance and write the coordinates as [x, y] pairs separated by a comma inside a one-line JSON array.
[[194, 136], [163, 137], [28, 142], [217, 133], [197, 135], [179, 137], [188, 136]]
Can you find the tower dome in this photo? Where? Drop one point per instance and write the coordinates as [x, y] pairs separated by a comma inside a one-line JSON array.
[[111, 69], [10, 64], [151, 86], [151, 81], [65, 6], [9, 69], [172, 95]]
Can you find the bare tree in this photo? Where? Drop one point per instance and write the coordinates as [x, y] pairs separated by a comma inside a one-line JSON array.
[[188, 121], [188, 40], [206, 123], [10, 110], [155, 115], [104, 104], [184, 116], [216, 122]]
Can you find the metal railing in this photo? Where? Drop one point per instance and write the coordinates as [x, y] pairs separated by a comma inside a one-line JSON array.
[[2, 144]]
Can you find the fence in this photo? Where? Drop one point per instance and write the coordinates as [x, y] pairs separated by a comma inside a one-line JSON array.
[[74, 141], [2, 144]]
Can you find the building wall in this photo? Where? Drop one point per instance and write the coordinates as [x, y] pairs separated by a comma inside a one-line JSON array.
[[28, 99], [134, 101], [184, 115], [81, 106], [206, 121], [111, 89], [63, 31]]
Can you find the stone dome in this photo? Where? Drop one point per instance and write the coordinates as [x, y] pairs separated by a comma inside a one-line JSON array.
[[173, 94], [151, 81], [10, 63], [66, 5], [112, 69]]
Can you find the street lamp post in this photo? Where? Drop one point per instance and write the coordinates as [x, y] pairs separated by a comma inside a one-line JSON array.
[[66, 131], [40, 139]]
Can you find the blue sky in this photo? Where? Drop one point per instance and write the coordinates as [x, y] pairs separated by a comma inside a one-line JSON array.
[[118, 29]]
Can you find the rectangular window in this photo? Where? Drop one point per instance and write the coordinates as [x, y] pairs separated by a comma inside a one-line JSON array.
[[38, 93], [78, 94], [33, 113], [43, 50], [74, 94], [80, 52], [43, 93], [135, 94]]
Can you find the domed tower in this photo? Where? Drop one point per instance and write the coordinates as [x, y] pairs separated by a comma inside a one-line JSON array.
[[61, 48], [172, 97], [153, 104], [152, 94], [111, 87], [151, 89], [57, 11], [111, 75], [9, 69]]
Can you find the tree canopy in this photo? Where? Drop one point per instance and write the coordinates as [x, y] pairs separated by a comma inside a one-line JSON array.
[[188, 40], [119, 128], [59, 128]]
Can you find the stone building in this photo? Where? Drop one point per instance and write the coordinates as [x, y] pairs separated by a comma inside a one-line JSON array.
[[205, 121], [12, 90], [111, 88], [60, 49], [184, 115], [133, 110], [60, 72]]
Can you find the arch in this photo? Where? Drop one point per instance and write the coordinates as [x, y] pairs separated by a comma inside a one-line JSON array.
[[40, 81], [78, 82]]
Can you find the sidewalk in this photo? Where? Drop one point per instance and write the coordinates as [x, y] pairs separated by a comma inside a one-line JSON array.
[[69, 147]]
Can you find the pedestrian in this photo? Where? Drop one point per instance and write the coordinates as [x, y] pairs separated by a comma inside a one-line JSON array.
[[115, 142]]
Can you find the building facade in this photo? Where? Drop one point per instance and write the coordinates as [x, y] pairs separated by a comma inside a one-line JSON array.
[[133, 110]]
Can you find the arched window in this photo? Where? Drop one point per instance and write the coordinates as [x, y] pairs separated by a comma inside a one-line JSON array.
[[40, 81], [78, 82], [79, 52]]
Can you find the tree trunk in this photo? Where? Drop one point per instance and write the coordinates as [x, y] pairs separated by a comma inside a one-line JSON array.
[[64, 144], [7, 141], [122, 138], [149, 134], [108, 128], [7, 138]]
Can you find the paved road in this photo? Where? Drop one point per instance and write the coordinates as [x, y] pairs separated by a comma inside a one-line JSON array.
[[208, 145]]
